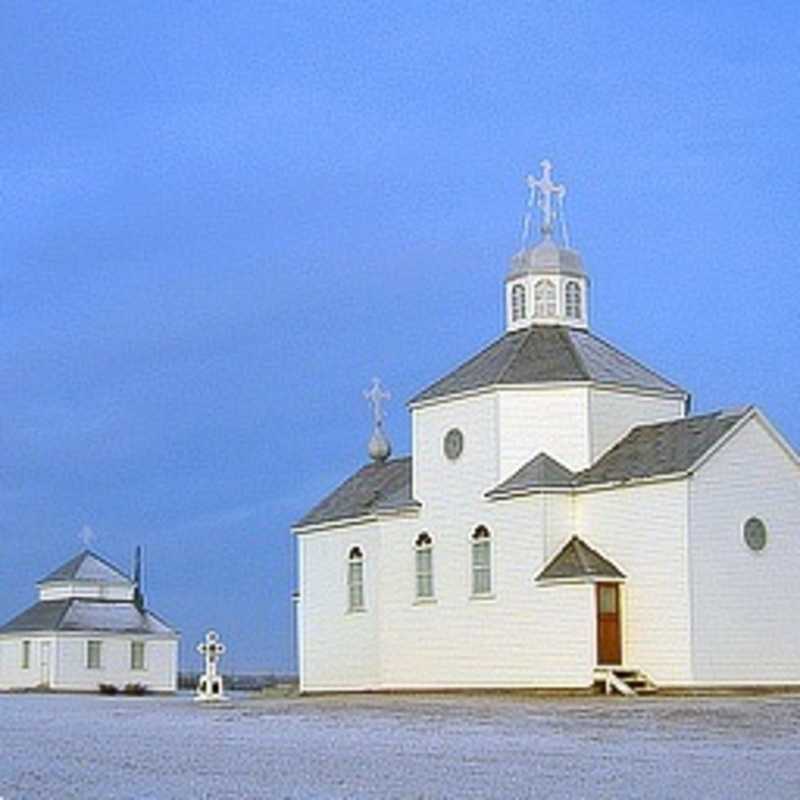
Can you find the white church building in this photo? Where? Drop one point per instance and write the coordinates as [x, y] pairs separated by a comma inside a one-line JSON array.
[[562, 520], [89, 627]]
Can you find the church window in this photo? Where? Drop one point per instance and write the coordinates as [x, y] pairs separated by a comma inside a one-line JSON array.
[[544, 298], [755, 534], [518, 309], [94, 651], [481, 562], [137, 655], [572, 300], [355, 580], [423, 555], [26, 655]]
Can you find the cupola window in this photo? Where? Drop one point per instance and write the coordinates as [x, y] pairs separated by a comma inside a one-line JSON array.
[[572, 300], [544, 298], [518, 310]]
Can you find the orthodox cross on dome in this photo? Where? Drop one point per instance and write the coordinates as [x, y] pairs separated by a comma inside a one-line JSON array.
[[375, 396], [542, 193], [210, 685], [379, 447], [87, 536]]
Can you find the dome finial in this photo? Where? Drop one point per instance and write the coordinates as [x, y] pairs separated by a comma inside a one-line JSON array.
[[379, 448], [542, 193]]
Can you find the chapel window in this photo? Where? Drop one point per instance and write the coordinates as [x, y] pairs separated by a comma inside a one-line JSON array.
[[94, 651], [572, 300], [26, 654], [355, 580], [544, 298], [518, 310], [137, 655], [423, 562], [481, 561]]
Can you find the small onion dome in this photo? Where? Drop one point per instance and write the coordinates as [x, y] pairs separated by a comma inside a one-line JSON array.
[[546, 257], [379, 448]]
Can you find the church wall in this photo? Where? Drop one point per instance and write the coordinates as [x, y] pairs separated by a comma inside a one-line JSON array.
[[12, 674], [70, 671], [643, 529], [614, 412], [67, 662], [339, 649], [476, 470], [542, 419], [522, 635], [745, 602]]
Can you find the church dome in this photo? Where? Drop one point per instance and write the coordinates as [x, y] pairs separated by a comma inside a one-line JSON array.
[[546, 258]]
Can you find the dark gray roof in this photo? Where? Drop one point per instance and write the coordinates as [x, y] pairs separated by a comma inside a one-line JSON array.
[[79, 614], [543, 354], [661, 449], [377, 486], [542, 470], [577, 560], [88, 566]]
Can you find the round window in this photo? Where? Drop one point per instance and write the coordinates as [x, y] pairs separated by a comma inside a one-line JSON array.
[[755, 534], [453, 443]]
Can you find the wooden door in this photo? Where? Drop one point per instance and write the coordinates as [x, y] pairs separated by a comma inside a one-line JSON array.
[[609, 640], [44, 664]]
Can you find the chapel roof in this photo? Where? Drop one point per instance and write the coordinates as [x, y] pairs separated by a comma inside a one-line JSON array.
[[88, 566], [577, 560], [547, 354], [80, 614], [663, 448], [379, 486], [646, 451], [541, 471]]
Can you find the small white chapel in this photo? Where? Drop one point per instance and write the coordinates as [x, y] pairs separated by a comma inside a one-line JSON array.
[[561, 522], [89, 627]]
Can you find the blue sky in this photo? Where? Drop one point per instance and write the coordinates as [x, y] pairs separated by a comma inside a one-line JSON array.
[[219, 221]]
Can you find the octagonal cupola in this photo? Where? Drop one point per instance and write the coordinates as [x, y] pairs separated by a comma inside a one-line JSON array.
[[546, 283]]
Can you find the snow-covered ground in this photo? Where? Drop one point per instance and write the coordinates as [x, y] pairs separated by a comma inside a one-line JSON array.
[[399, 747]]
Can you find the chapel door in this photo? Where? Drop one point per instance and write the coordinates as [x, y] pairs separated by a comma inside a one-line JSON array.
[[609, 640], [44, 664]]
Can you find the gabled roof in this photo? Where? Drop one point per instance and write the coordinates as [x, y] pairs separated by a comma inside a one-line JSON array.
[[77, 614], [577, 560], [377, 486], [547, 354], [88, 566], [661, 449], [541, 471]]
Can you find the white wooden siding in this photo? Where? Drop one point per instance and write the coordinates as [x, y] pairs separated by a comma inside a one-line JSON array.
[[643, 529], [613, 412], [745, 603], [542, 419], [339, 649], [67, 660]]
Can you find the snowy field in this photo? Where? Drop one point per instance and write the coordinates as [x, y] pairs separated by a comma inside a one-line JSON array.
[[399, 747]]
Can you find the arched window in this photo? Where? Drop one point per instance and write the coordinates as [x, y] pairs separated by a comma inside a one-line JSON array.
[[481, 561], [518, 310], [544, 298], [423, 563], [572, 300], [355, 580]]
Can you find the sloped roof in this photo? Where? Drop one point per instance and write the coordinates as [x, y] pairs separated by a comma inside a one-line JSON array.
[[577, 560], [662, 448], [377, 486], [88, 566], [542, 470], [77, 614], [547, 354]]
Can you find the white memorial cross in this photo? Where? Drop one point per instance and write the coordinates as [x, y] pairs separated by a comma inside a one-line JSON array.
[[209, 686]]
